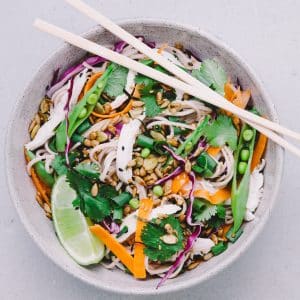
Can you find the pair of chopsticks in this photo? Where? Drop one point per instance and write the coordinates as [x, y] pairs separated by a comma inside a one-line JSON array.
[[183, 81]]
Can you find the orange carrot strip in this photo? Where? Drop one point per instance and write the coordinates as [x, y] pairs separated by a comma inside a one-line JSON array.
[[229, 91], [226, 228], [202, 194], [139, 256], [220, 196], [124, 111], [116, 248], [39, 185], [213, 151], [217, 198], [179, 182], [258, 151], [91, 82], [162, 48], [242, 98]]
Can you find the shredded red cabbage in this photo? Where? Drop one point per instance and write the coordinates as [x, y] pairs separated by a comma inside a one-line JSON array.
[[189, 244], [94, 60], [201, 144], [111, 226], [119, 46], [176, 172], [151, 44], [69, 73], [174, 155], [118, 127]]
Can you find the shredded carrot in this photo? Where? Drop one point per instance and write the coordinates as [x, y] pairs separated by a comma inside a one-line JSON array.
[[220, 196], [238, 98], [41, 188], [124, 111], [91, 82], [213, 151], [226, 228], [116, 248], [229, 91], [179, 182], [139, 256], [258, 151], [216, 198], [242, 98], [162, 48], [202, 194]]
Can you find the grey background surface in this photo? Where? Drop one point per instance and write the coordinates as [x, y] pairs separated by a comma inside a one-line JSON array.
[[267, 35]]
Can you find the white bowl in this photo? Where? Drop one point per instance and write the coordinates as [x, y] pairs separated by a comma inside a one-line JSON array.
[[23, 194]]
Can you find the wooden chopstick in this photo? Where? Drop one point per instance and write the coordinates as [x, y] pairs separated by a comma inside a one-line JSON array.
[[110, 55], [207, 94]]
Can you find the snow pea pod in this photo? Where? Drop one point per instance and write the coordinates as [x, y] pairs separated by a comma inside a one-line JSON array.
[[82, 110], [40, 169], [240, 182], [187, 146]]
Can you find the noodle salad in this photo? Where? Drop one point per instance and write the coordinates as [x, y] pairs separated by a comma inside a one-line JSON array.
[[141, 177]]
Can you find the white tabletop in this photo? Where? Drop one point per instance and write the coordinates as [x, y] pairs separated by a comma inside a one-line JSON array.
[[266, 33]]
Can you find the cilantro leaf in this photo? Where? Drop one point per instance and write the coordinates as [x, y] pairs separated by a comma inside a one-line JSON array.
[[220, 132], [211, 74], [152, 109], [116, 83], [203, 210], [107, 191], [96, 208], [219, 219], [144, 80], [90, 170], [156, 249], [59, 163]]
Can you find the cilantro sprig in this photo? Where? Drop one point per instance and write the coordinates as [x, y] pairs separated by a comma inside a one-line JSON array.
[[116, 82], [96, 208], [220, 132], [156, 249], [211, 74], [213, 215]]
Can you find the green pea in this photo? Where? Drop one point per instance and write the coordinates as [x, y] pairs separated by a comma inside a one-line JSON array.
[[245, 153], [92, 99], [158, 191], [145, 152], [82, 113], [248, 135], [242, 167], [134, 203]]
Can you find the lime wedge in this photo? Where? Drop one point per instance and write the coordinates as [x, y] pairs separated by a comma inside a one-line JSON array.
[[72, 227]]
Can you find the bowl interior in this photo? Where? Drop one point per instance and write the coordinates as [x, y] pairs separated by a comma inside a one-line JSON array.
[[23, 194]]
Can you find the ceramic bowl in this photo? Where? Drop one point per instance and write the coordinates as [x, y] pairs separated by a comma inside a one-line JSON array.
[[23, 194]]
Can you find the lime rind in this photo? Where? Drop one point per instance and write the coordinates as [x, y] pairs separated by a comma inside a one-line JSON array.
[[72, 227]]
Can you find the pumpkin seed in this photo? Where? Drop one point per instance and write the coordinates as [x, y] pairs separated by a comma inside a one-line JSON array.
[[102, 137], [157, 135], [150, 163]]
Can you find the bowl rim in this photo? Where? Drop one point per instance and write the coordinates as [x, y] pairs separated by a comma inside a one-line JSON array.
[[216, 269]]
